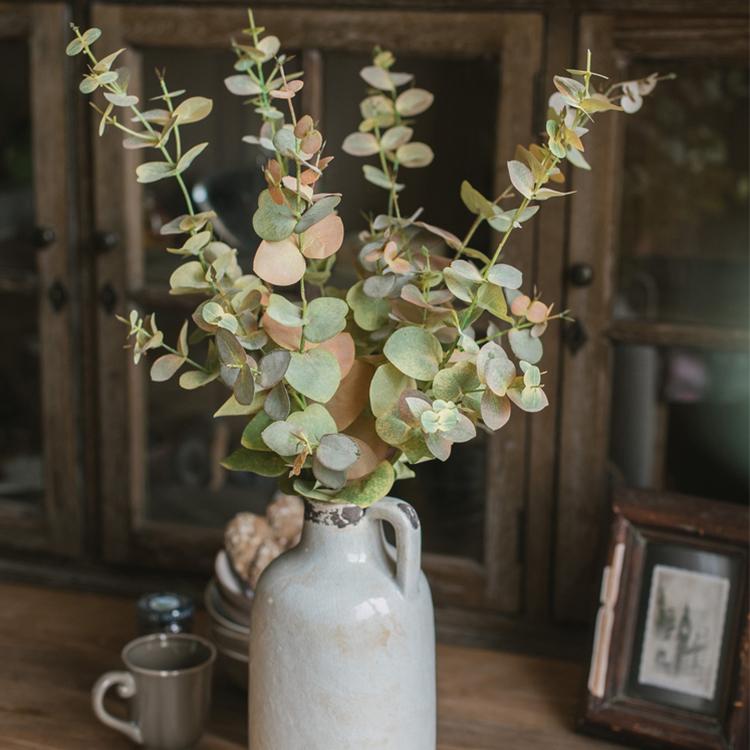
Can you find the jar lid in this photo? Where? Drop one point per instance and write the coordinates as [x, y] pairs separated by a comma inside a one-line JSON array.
[[165, 608]]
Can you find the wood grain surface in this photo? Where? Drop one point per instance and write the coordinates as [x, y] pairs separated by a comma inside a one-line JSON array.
[[54, 644]]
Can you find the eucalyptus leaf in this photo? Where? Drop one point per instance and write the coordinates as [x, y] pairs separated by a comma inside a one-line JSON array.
[[378, 177], [229, 349], [453, 382], [258, 462], [318, 211], [152, 171], [315, 374], [525, 346], [285, 312], [329, 478], [369, 314], [505, 275], [272, 222], [360, 144], [492, 299], [165, 367], [413, 102], [386, 387], [414, 155], [273, 367], [326, 316], [495, 410], [189, 156], [337, 452], [415, 352], [242, 85], [251, 435], [283, 438], [521, 178], [476, 202], [194, 109], [277, 404], [395, 137], [196, 379], [285, 142], [244, 386], [188, 278], [371, 488]]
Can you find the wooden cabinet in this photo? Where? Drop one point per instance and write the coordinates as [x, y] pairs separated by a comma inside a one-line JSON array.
[[655, 376], [512, 524], [40, 497], [156, 467]]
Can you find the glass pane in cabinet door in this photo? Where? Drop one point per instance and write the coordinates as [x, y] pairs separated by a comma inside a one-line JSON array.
[[680, 421], [684, 223], [185, 445], [225, 178], [450, 496], [21, 474]]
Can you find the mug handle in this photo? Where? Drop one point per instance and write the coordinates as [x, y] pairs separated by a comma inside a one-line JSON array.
[[405, 522], [126, 689]]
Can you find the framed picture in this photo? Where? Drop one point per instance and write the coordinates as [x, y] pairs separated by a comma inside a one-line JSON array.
[[669, 662]]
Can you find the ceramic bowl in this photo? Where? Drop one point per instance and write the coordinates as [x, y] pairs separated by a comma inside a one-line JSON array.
[[234, 665], [231, 589], [223, 614], [228, 640]]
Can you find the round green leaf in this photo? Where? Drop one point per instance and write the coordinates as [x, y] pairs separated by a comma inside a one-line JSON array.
[[283, 311], [314, 374], [369, 314], [258, 462], [272, 222], [326, 316], [277, 404], [452, 382], [337, 452], [165, 367], [386, 388], [525, 346], [371, 488], [415, 352]]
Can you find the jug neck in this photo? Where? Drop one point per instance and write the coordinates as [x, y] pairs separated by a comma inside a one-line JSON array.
[[340, 527]]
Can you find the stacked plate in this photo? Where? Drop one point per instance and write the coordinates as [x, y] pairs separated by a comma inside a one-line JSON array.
[[228, 604]]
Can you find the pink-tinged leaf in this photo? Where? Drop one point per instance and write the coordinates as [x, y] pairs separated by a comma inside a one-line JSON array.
[[352, 395], [495, 410], [323, 239], [537, 312], [279, 263], [285, 336], [520, 305], [342, 347], [166, 366]]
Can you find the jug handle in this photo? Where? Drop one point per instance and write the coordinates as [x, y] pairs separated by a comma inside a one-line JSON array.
[[405, 522]]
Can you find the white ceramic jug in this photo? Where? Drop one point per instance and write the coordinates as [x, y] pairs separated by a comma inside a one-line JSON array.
[[342, 637]]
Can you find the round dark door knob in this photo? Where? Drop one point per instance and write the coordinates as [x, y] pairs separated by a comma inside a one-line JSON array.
[[105, 241], [43, 237], [581, 274]]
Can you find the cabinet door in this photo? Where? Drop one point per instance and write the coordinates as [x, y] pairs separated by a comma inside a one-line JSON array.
[[656, 372], [162, 495], [39, 500]]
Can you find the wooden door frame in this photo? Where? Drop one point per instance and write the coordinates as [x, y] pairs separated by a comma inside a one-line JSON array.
[[516, 39], [57, 524], [583, 493]]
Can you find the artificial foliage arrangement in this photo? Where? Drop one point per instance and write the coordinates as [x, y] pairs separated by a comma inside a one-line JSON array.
[[345, 390]]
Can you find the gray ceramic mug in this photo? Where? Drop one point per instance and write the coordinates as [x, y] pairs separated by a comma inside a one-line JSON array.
[[169, 682]]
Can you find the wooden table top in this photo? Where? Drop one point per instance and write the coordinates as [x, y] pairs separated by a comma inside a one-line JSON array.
[[54, 644]]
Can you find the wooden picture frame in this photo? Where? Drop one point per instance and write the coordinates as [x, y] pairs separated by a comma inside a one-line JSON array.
[[661, 673]]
